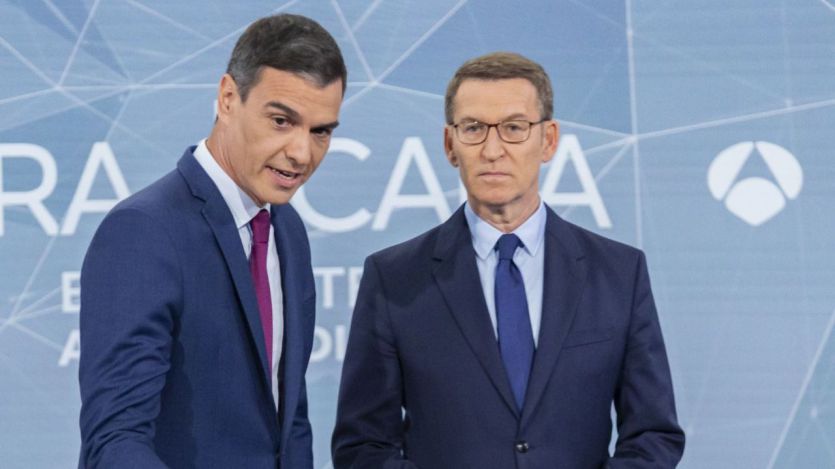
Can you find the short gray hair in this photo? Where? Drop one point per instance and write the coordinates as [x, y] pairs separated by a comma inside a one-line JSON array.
[[502, 66]]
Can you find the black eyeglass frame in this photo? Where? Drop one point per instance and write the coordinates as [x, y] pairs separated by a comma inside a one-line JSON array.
[[498, 132]]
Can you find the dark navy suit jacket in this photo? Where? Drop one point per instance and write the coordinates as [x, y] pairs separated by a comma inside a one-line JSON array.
[[423, 383], [173, 366]]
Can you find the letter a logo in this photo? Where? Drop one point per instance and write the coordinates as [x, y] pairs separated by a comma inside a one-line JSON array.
[[755, 200]]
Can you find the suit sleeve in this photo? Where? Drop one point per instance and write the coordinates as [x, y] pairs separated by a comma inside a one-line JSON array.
[[369, 419], [130, 288], [648, 431], [300, 447]]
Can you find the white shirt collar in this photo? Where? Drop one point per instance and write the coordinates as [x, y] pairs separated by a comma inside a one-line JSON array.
[[241, 205], [485, 235]]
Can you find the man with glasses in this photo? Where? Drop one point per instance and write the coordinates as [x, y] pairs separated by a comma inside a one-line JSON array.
[[503, 337]]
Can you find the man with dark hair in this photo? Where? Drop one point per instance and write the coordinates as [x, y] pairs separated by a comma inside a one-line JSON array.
[[197, 295], [503, 337]]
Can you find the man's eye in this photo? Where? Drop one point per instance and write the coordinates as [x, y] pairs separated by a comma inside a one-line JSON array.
[[512, 127], [473, 128], [322, 133], [281, 121]]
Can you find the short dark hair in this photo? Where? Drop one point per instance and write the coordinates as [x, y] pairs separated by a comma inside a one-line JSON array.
[[502, 66], [291, 43]]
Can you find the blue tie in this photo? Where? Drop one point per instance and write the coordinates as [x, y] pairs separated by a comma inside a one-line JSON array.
[[512, 319]]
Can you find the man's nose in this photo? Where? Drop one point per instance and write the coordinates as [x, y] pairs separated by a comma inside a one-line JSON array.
[[298, 147], [493, 148]]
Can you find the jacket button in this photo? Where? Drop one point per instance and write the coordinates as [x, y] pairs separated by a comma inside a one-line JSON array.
[[522, 447]]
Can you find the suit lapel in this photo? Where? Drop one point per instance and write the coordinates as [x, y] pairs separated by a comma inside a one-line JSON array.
[[565, 276], [220, 220], [288, 245], [457, 277]]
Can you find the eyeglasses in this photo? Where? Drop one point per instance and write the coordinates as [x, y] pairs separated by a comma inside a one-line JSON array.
[[510, 131]]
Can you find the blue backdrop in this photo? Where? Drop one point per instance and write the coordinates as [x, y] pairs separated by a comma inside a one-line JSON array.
[[700, 131]]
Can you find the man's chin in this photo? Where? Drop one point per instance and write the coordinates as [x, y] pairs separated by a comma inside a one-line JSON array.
[[279, 200], [492, 200], [271, 196]]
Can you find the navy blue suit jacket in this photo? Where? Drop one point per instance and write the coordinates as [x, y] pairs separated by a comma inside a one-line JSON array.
[[421, 339], [173, 366]]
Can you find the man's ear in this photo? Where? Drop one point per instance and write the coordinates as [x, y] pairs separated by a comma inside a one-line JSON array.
[[227, 96], [552, 138], [450, 155]]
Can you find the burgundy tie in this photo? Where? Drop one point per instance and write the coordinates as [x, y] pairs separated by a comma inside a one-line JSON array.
[[258, 268]]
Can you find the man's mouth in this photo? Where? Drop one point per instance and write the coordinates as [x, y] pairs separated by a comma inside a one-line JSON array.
[[284, 174]]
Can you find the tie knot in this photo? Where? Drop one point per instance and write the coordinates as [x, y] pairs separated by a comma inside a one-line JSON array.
[[507, 245], [260, 225]]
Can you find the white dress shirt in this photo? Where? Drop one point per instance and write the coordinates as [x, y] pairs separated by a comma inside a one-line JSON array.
[[530, 260], [243, 210]]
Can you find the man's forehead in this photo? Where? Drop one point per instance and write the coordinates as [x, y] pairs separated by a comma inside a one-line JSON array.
[[278, 88], [306, 76], [511, 95], [519, 86]]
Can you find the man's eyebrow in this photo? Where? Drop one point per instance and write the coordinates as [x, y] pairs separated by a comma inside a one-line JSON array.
[[294, 115], [291, 113], [511, 117], [328, 126], [516, 116]]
